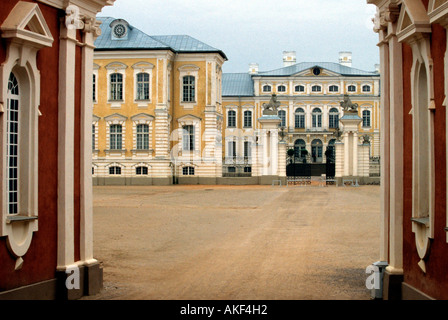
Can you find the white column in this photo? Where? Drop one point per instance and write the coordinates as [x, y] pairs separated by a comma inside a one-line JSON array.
[[355, 154], [86, 237], [346, 154], [66, 127], [265, 152], [274, 152]]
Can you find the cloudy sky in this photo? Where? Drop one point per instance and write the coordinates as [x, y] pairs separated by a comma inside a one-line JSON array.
[[260, 30]]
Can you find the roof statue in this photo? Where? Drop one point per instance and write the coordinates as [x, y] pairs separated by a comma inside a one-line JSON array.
[[271, 108], [348, 106]]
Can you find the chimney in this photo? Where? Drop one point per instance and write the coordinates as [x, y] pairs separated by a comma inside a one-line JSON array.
[[345, 58], [289, 58], [253, 68], [377, 68]]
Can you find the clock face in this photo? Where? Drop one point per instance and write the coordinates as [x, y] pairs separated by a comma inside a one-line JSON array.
[[316, 71], [119, 31]]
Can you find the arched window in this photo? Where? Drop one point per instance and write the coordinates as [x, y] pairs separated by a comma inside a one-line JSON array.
[[188, 89], [316, 150], [116, 87], [300, 118], [142, 137], [331, 151], [188, 171], [351, 88], [13, 145], [316, 88], [366, 118], [231, 119], [115, 170], [281, 88], [317, 118], [282, 116], [142, 86], [116, 137], [366, 88], [333, 118], [299, 147], [299, 88], [267, 88], [141, 171], [333, 88], [247, 119]]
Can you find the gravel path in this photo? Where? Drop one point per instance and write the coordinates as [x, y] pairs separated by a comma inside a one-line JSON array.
[[236, 242]]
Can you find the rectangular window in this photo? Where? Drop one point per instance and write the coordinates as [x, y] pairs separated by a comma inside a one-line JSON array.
[[247, 119], [247, 149], [93, 137], [300, 121], [188, 171], [115, 170], [141, 171], [232, 149], [188, 92], [142, 137], [116, 137], [143, 86], [94, 88], [12, 149], [188, 138], [116, 87]]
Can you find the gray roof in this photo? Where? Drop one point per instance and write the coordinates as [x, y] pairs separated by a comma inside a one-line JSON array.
[[237, 85], [138, 40], [331, 66]]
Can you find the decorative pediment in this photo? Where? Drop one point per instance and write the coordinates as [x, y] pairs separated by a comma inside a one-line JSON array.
[[26, 23], [95, 118], [188, 119], [95, 66], [438, 11], [115, 118], [143, 65], [322, 73], [413, 21], [116, 66], [142, 117], [189, 67]]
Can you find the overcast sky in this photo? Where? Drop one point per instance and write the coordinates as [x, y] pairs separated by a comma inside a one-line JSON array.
[[260, 30]]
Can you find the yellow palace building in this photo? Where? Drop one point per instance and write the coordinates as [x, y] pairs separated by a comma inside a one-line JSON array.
[[165, 113]]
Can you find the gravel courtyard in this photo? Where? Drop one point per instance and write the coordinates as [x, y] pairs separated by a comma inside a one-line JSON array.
[[236, 242]]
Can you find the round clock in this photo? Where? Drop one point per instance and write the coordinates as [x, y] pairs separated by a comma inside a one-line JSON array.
[[119, 31]]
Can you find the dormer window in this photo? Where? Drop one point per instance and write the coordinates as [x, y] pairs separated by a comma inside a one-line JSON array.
[[120, 29]]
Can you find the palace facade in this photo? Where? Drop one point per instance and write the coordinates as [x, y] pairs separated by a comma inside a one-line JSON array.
[[165, 113]]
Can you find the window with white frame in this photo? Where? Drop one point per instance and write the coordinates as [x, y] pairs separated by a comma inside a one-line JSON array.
[[188, 171], [281, 88], [142, 137], [333, 118], [299, 121], [115, 136], [115, 170], [143, 82], [366, 88], [231, 148], [188, 89], [231, 119], [247, 149], [366, 118], [188, 138], [299, 88], [247, 119], [316, 88], [333, 88], [282, 116], [267, 88], [351, 88], [116, 87], [316, 118], [12, 145], [141, 171]]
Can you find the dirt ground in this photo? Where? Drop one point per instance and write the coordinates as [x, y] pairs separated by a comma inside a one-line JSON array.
[[236, 242]]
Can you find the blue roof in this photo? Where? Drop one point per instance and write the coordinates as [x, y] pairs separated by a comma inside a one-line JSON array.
[[331, 66], [237, 85], [138, 40]]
